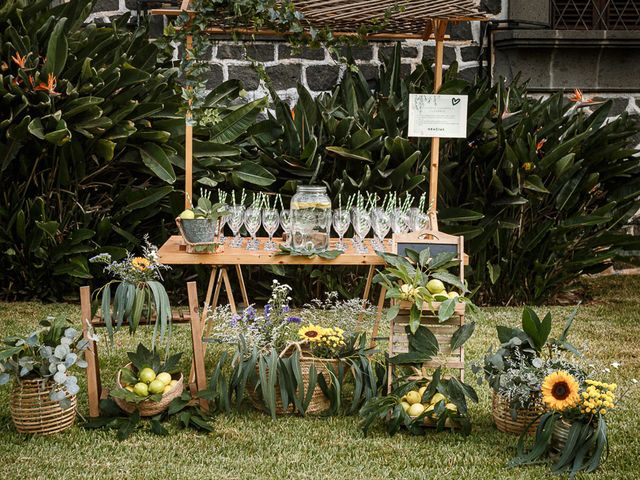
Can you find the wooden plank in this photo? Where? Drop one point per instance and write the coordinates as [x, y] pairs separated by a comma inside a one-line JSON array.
[[439, 28], [227, 287], [176, 317], [243, 287], [91, 355], [173, 252], [196, 340]]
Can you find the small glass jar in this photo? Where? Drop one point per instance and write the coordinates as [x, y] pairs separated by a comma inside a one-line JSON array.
[[310, 218]]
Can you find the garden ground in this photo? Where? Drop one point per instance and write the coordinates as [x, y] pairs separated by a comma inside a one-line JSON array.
[[251, 445]]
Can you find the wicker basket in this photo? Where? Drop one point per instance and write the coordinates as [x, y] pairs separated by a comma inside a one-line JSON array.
[[501, 413], [33, 412], [319, 402], [149, 408]]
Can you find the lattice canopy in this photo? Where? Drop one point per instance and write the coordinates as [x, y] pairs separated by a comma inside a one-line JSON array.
[[392, 18], [406, 16]]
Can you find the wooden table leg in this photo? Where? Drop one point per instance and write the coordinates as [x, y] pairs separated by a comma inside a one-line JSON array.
[[205, 312], [376, 325], [243, 288], [227, 286], [367, 290]]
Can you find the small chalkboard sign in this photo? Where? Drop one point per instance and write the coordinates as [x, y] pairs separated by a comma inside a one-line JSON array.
[[436, 242]]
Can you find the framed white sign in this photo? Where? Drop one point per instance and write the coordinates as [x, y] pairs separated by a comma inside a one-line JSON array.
[[433, 115]]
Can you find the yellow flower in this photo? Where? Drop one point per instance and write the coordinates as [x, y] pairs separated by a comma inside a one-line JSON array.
[[311, 333], [560, 391], [603, 411], [140, 263]]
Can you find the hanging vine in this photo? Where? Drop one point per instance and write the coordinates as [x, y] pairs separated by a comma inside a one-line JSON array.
[[243, 19]]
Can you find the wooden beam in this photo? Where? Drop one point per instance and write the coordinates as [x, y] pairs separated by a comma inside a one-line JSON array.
[[91, 355], [196, 339], [188, 150], [439, 29]]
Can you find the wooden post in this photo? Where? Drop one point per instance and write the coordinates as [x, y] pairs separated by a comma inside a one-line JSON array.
[[91, 355], [196, 340], [439, 29], [188, 149]]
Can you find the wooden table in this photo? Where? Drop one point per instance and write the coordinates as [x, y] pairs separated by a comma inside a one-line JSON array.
[[173, 252]]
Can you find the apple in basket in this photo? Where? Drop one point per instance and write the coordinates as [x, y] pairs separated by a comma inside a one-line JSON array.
[[146, 377]]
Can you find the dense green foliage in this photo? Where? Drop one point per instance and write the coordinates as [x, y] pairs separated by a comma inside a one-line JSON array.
[[83, 158]]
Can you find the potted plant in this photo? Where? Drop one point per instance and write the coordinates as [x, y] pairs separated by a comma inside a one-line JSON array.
[[285, 364], [43, 400], [147, 384], [418, 282], [139, 296], [426, 319], [515, 371], [200, 226], [439, 402], [573, 432]]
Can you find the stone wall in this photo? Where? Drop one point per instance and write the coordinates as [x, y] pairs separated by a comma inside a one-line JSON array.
[[314, 68]]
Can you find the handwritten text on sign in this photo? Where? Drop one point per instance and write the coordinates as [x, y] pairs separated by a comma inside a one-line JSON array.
[[437, 115]]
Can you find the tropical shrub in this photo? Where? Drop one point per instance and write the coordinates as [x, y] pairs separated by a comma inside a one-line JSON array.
[[541, 188], [84, 160]]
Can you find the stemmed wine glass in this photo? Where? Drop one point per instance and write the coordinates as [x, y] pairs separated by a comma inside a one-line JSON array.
[[418, 220], [399, 221], [223, 220], [252, 220], [285, 221], [381, 223], [236, 217], [341, 222], [270, 222], [361, 221]]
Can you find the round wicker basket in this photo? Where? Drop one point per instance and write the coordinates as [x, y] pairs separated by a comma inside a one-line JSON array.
[[501, 413], [149, 408], [33, 412], [319, 402]]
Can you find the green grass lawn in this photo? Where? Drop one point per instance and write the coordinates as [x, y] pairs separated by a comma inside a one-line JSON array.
[[251, 445]]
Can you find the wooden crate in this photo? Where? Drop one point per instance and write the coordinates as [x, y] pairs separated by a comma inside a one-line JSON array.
[[450, 360]]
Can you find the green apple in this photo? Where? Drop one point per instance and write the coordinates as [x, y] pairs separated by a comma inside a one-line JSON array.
[[141, 389], [147, 375], [453, 294], [438, 397], [187, 215], [405, 406], [435, 286], [164, 377], [413, 397], [415, 409], [157, 386]]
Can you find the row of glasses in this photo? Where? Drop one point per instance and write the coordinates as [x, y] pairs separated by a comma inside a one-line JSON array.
[[362, 220]]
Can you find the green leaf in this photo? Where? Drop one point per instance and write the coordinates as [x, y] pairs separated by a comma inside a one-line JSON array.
[[392, 312], [454, 214], [534, 182], [156, 159], [254, 173], [446, 309], [57, 50], [462, 334], [236, 123]]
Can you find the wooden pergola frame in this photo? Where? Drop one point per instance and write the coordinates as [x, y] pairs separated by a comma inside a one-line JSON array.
[[409, 20]]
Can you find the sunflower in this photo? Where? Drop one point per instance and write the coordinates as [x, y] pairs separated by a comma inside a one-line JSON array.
[[560, 391], [140, 263], [311, 333]]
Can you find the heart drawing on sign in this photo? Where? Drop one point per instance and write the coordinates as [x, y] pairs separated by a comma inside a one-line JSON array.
[[455, 101]]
